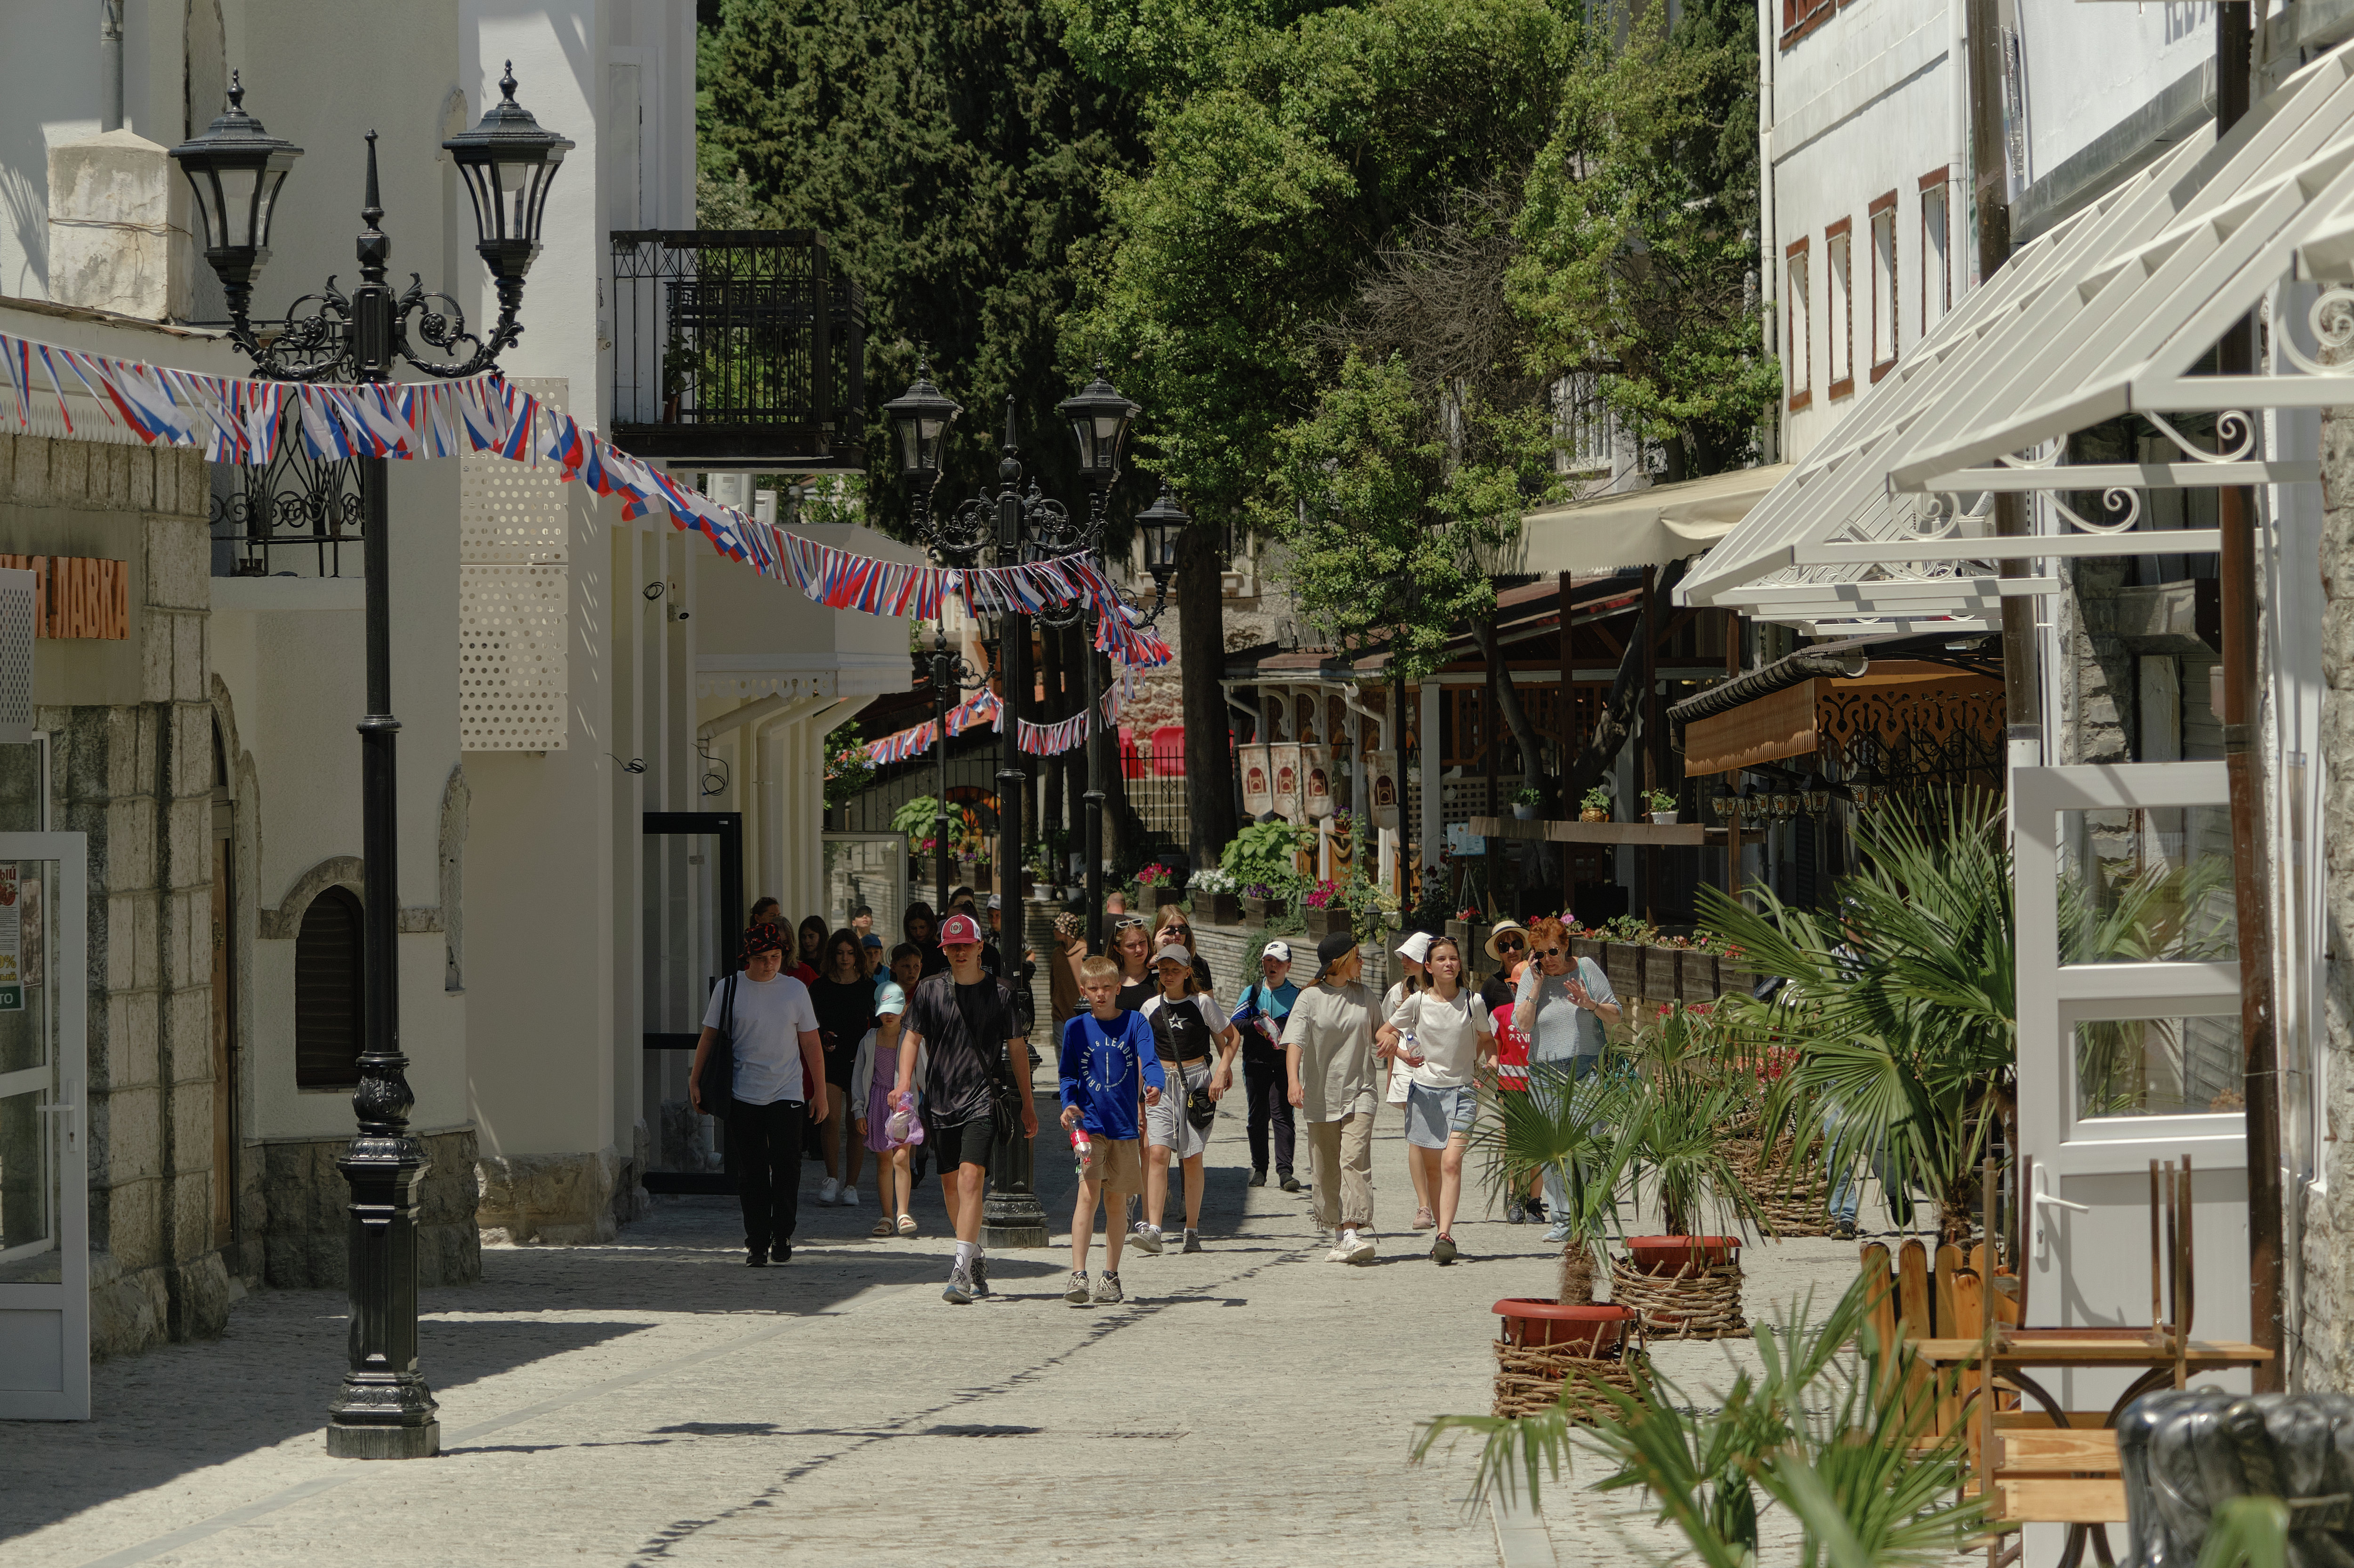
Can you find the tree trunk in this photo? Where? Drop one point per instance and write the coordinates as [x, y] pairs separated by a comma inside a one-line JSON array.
[[1577, 1286], [1508, 703], [1123, 836], [1202, 655], [1617, 720]]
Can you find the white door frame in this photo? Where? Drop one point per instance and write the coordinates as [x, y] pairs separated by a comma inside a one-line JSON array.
[[33, 1317]]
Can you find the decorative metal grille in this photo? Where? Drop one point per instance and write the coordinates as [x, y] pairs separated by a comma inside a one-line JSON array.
[[513, 599], [309, 506], [743, 347], [17, 592]]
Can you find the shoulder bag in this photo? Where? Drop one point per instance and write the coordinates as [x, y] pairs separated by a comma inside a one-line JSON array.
[[1201, 1110], [718, 1083]]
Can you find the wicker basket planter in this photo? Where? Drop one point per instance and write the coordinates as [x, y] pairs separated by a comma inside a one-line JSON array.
[[1697, 1299], [1537, 1369], [1791, 1204], [1696, 977]]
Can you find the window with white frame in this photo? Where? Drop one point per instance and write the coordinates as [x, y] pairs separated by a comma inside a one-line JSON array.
[[1883, 285], [1795, 309], [1838, 314], [1936, 259], [1581, 427]]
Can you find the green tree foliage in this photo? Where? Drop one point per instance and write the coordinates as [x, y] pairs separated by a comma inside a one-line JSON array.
[[1640, 235], [953, 158]]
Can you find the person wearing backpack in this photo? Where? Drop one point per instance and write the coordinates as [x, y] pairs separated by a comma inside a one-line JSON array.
[[769, 1073], [1266, 1003]]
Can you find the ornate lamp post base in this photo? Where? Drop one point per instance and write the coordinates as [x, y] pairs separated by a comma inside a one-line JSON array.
[[1010, 1214], [385, 1409]]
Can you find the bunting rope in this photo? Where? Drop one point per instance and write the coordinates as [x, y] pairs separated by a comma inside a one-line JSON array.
[[242, 421]]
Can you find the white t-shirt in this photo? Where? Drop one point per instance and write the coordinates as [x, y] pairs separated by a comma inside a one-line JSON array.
[[770, 1018], [1446, 1035]]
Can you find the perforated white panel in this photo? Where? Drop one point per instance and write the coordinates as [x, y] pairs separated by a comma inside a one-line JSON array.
[[17, 591], [513, 599]]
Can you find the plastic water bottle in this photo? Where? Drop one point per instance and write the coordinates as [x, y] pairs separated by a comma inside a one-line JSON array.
[[1081, 1146]]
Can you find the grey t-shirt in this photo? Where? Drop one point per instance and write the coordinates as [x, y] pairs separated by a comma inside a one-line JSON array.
[[1563, 1029], [1333, 1027]]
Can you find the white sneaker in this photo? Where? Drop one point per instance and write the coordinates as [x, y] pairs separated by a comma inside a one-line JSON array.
[[849, 1197], [1341, 1246], [1356, 1247], [829, 1191]]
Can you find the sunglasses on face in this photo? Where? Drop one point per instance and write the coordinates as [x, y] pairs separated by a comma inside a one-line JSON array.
[[1548, 952], [1508, 944]]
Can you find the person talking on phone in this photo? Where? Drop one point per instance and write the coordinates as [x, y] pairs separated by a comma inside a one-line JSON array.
[[1567, 1009]]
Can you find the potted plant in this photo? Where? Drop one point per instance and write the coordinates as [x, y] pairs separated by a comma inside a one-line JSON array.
[[1587, 1329], [1595, 805], [1262, 902], [1527, 803], [1216, 896], [1322, 910], [1671, 1115], [1624, 937], [1158, 884], [1663, 807]]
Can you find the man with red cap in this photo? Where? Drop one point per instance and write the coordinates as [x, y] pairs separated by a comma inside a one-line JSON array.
[[776, 1061], [968, 1021]]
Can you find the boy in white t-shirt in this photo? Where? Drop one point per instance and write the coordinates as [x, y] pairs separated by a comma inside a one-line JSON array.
[[778, 1073]]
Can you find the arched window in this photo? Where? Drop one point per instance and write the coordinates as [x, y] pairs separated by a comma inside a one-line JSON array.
[[327, 992]]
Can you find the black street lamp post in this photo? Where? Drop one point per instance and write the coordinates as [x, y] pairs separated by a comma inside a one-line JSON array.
[[1021, 525], [385, 1409]]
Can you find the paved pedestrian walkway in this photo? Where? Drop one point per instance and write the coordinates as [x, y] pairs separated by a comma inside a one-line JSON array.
[[654, 1401]]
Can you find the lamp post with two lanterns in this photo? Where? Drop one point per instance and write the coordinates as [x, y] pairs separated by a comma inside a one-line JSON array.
[[385, 1410], [1017, 524]]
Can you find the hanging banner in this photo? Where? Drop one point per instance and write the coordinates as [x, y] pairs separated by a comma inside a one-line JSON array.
[[1284, 757], [1259, 780], [1316, 781], [1382, 782]]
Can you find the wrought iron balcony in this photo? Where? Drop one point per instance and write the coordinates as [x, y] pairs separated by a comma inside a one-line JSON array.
[[737, 349]]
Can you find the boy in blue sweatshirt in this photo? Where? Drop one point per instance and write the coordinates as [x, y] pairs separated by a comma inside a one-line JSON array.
[[1107, 1055]]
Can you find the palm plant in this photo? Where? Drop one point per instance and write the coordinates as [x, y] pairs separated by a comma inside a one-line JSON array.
[[1899, 1001], [1563, 1127], [1833, 1437], [1673, 1112]]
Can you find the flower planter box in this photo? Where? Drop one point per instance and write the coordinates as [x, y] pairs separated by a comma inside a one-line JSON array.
[[1225, 908], [1264, 909], [1588, 947], [1659, 972], [1321, 922], [1589, 1329], [1735, 977], [1696, 977], [1623, 962], [1165, 895]]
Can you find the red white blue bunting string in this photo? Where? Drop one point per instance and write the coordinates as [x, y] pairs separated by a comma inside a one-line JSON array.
[[239, 421]]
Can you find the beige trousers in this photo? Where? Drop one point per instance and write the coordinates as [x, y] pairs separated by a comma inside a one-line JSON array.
[[1341, 1166]]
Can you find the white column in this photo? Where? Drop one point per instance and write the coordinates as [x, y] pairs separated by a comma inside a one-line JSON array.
[[1432, 753]]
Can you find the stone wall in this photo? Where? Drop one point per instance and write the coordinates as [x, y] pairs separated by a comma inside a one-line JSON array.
[[296, 1207], [555, 1200], [133, 771], [2321, 1338]]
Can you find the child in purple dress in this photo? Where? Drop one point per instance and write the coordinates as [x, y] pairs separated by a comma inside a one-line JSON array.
[[871, 1079]]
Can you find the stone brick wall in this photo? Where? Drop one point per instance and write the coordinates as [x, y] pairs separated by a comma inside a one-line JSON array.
[[135, 773], [296, 1209]]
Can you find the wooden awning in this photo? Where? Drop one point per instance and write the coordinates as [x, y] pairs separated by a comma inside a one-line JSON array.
[[1894, 701]]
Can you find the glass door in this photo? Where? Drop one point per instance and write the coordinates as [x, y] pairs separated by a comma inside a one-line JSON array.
[[43, 1157]]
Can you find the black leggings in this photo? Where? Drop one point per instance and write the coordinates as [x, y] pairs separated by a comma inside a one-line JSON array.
[[764, 1156], [1267, 1082]]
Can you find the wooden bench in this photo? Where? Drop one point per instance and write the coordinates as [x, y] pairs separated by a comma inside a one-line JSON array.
[[2058, 1476]]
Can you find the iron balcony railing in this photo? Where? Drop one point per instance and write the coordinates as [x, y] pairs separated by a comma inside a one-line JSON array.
[[737, 349]]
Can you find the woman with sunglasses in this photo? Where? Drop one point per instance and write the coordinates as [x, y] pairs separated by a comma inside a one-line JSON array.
[[1131, 949], [1566, 1008], [1175, 928]]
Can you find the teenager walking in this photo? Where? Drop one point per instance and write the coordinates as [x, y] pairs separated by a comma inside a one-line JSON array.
[[762, 1021], [1412, 949], [844, 999], [1327, 1045], [1107, 1056], [1260, 1016], [1174, 926], [1451, 1040], [1131, 949], [1188, 1029], [871, 1080], [966, 1018]]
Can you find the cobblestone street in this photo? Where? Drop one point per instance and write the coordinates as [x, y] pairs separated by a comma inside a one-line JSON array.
[[656, 1400]]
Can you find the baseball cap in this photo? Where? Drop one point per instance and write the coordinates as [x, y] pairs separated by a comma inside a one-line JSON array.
[[1279, 952], [1336, 946], [1415, 946], [993, 902], [871, 940], [1174, 953], [959, 928]]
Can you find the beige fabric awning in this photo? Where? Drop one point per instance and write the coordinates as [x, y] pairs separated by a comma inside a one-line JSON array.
[[1638, 527]]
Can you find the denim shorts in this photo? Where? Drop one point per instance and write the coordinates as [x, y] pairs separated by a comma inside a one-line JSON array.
[[1431, 1115]]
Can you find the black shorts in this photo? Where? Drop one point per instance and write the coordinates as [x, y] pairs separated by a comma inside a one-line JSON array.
[[956, 1143]]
